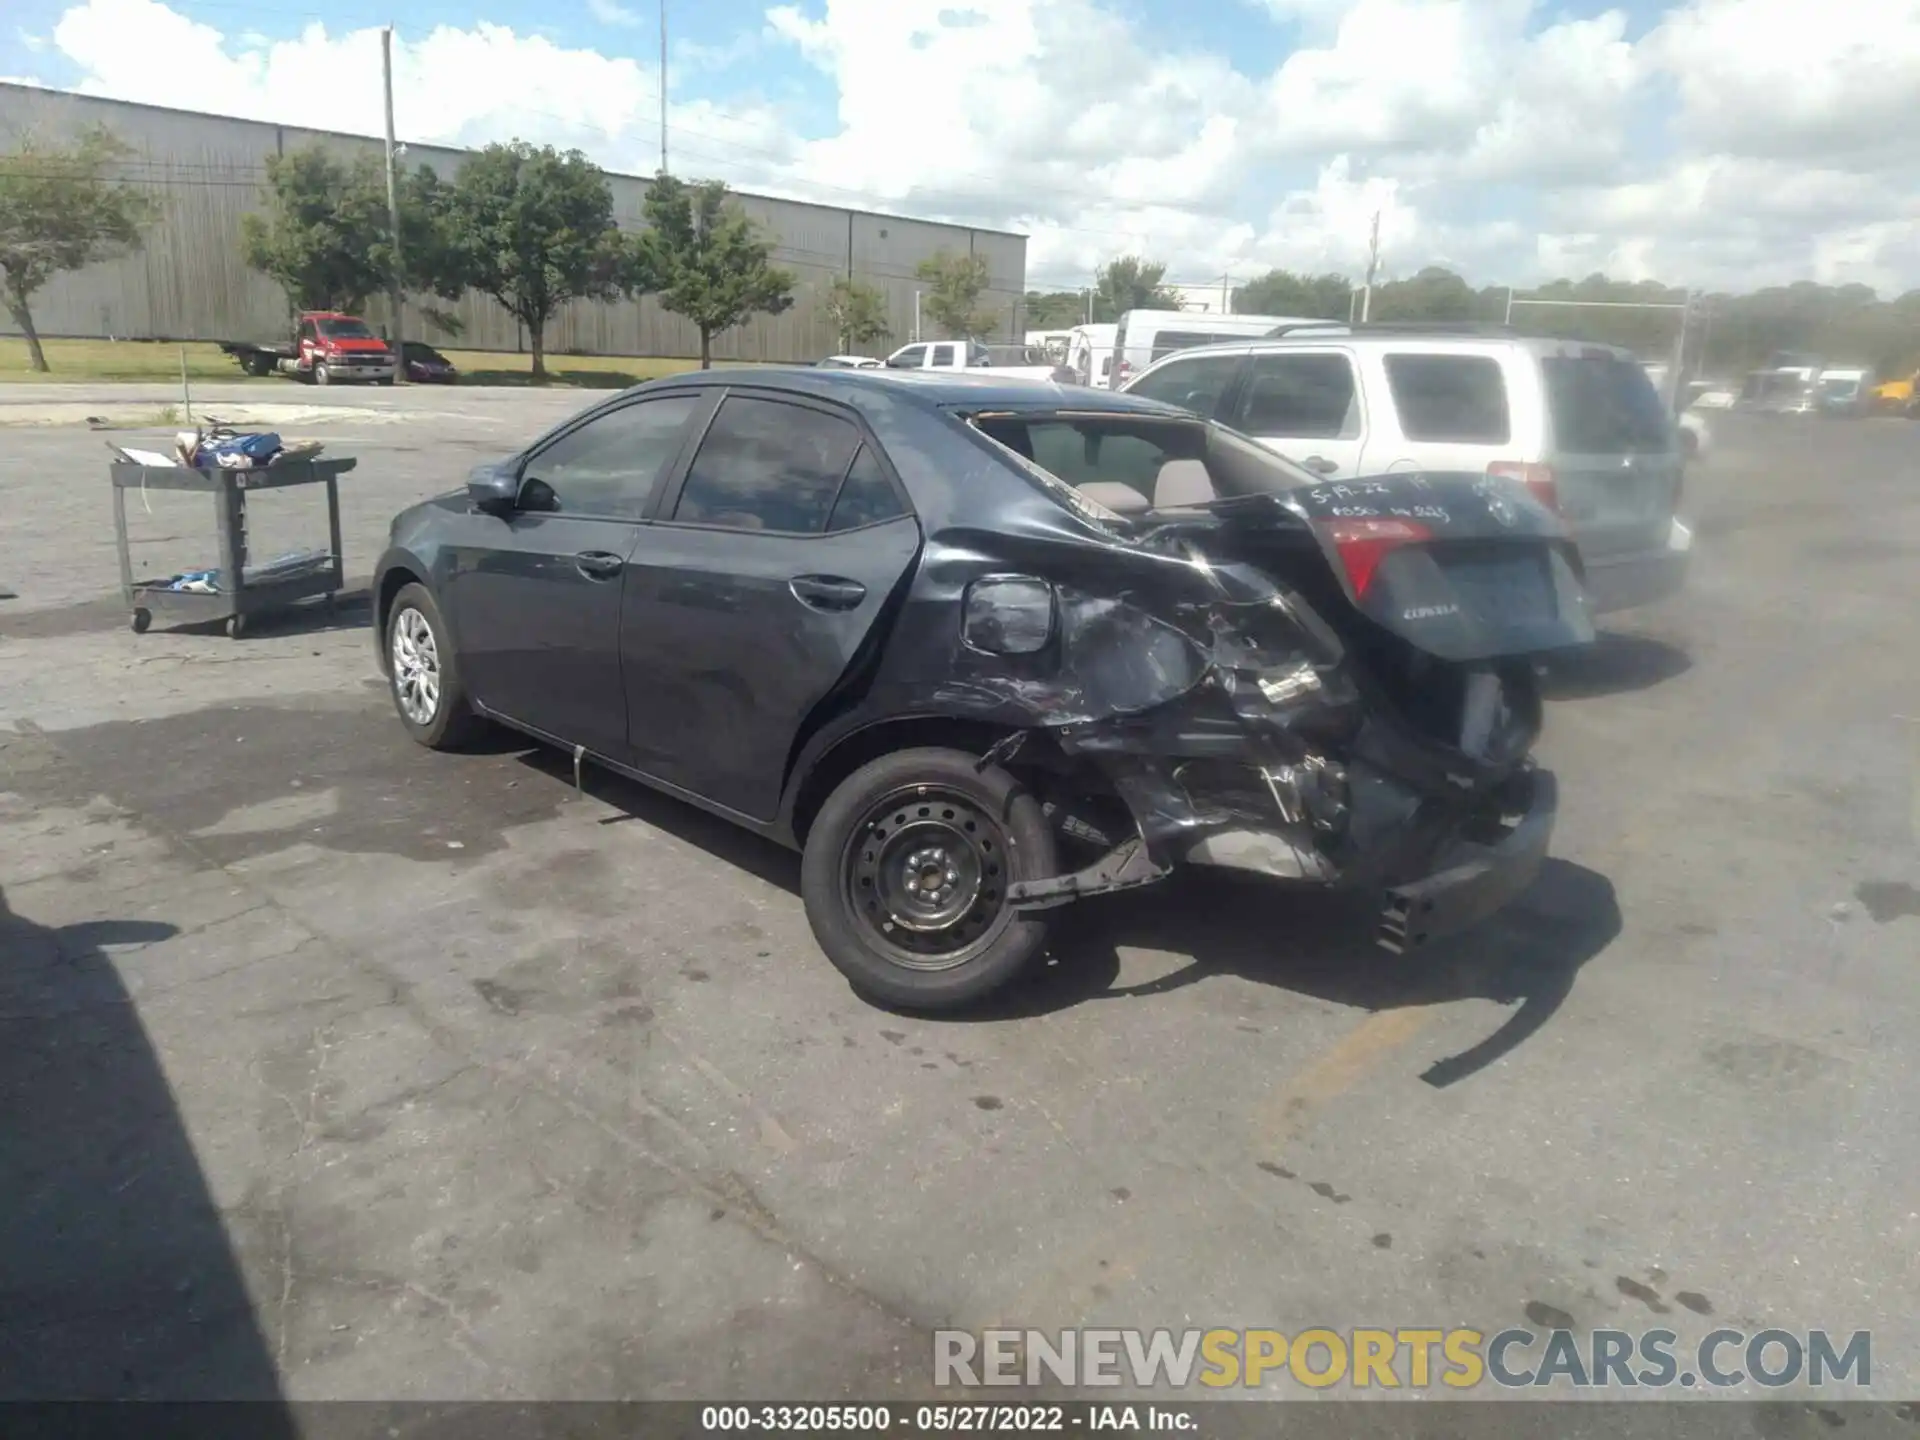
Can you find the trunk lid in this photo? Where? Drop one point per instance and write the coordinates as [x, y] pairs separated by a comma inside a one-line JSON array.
[[1463, 567]]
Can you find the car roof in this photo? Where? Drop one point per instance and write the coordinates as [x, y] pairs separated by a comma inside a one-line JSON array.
[[933, 389], [1465, 342]]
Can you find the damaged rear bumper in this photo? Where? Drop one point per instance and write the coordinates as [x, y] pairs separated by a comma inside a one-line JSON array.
[[1475, 878]]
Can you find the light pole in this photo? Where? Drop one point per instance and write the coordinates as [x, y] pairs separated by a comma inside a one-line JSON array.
[[663, 87]]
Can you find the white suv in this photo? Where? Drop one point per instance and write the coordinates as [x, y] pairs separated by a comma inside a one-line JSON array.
[[1580, 425]]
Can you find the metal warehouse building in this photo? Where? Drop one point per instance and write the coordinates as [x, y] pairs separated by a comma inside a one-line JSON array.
[[189, 283]]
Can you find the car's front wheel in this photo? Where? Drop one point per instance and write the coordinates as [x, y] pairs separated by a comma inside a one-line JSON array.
[[424, 674], [905, 878]]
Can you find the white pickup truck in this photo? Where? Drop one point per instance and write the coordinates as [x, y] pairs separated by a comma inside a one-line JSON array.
[[1026, 363]]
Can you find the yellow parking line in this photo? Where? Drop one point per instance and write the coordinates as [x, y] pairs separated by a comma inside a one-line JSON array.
[[1285, 1112]]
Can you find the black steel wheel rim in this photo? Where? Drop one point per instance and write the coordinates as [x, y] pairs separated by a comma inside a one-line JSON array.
[[925, 873]]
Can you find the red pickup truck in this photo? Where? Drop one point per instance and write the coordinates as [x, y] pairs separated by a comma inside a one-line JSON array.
[[327, 347]]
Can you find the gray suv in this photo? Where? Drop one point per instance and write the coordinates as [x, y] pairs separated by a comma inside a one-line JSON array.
[[1579, 425]]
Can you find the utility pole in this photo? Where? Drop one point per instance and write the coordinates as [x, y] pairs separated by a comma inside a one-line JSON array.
[[1373, 266], [663, 87], [397, 339]]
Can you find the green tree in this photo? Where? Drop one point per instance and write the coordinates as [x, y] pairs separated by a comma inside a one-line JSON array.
[[1281, 292], [1055, 309], [955, 285], [534, 228], [61, 209], [706, 259], [1435, 293], [324, 237], [1131, 283], [858, 313]]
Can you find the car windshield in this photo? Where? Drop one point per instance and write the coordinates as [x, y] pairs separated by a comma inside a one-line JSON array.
[[1116, 461], [346, 330]]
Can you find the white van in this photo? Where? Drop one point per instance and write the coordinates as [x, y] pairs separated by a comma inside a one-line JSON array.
[[1090, 353], [1144, 336], [1579, 425]]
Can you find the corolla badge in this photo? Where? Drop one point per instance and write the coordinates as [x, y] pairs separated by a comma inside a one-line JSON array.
[[1498, 505]]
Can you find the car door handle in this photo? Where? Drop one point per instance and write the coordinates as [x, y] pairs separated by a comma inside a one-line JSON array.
[[598, 564], [827, 592], [1320, 465]]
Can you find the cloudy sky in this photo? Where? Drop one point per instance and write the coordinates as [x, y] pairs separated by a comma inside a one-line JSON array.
[[1728, 143]]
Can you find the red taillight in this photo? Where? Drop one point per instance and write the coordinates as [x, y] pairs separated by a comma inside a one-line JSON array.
[[1122, 372], [1363, 544], [1537, 478]]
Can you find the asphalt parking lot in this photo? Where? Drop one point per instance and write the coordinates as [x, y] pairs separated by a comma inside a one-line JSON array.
[[334, 1068]]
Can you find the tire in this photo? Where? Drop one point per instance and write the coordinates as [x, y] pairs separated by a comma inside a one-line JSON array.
[[322, 375], [982, 826], [141, 620], [446, 721]]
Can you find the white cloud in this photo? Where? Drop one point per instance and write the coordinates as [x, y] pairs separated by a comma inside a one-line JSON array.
[[609, 12], [31, 43], [1795, 78], [1736, 142], [451, 86]]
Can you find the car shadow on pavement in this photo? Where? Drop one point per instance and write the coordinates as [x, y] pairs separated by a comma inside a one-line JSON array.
[[117, 1280], [1616, 661], [1527, 956], [722, 839]]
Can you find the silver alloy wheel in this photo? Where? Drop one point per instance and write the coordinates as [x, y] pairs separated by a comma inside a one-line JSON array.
[[416, 667]]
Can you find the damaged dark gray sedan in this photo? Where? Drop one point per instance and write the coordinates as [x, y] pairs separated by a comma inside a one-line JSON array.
[[980, 648]]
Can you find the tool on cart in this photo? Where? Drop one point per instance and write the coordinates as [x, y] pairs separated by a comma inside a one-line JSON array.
[[230, 465]]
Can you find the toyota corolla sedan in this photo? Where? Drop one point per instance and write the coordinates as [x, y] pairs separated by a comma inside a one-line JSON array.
[[980, 648]]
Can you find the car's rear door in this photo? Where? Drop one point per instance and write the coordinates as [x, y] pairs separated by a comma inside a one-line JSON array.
[[1613, 449], [748, 599], [534, 598], [1306, 404]]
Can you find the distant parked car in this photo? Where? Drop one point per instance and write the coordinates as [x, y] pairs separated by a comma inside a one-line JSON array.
[[971, 355], [848, 362], [426, 365]]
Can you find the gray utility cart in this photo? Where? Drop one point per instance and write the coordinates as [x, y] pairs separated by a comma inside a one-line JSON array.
[[239, 593]]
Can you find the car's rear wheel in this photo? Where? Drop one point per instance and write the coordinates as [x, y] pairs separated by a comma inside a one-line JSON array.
[[423, 673], [906, 872]]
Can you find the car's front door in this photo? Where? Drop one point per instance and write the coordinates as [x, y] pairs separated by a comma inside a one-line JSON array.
[[535, 601], [1305, 404], [1200, 383], [750, 597]]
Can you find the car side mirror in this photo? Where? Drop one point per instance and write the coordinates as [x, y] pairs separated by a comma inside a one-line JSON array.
[[493, 489]]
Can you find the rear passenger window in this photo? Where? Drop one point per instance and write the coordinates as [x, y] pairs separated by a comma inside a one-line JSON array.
[[1461, 399], [1299, 397], [767, 466], [1198, 384], [866, 498]]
